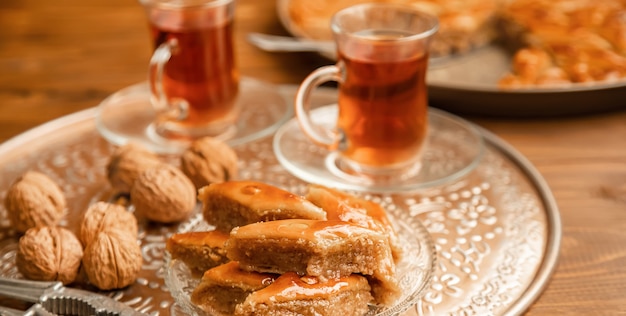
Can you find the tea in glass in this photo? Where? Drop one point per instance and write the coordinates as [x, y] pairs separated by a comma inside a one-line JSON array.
[[382, 119], [193, 76]]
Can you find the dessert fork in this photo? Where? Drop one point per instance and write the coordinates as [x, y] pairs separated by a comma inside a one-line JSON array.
[[53, 298]]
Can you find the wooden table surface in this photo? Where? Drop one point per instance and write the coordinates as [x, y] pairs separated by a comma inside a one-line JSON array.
[[59, 57]]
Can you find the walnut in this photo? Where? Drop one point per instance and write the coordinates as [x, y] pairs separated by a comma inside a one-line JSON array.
[[49, 253], [126, 163], [163, 194], [209, 160], [102, 217], [112, 260], [34, 200]]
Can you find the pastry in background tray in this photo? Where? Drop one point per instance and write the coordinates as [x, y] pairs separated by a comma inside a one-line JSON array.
[[553, 43], [463, 24], [565, 42]]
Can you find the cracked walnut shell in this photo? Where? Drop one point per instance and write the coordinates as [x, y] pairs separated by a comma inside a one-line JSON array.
[[49, 253], [103, 217], [209, 160], [163, 194], [34, 200], [113, 260], [126, 163]]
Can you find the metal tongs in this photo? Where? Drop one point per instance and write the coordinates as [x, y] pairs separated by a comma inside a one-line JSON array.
[[52, 298]]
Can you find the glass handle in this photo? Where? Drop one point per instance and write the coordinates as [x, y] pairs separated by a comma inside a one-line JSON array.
[[329, 138], [175, 107]]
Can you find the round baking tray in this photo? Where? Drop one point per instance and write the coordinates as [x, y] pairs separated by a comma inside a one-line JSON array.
[[467, 84]]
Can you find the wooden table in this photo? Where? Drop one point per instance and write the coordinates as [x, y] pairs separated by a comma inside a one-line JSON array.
[[58, 57]]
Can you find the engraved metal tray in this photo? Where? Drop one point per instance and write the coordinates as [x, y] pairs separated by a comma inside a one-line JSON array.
[[497, 230]]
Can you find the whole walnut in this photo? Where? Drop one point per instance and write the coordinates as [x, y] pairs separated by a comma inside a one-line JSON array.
[[34, 200], [209, 160], [112, 260], [163, 194], [126, 163], [49, 253], [102, 217]]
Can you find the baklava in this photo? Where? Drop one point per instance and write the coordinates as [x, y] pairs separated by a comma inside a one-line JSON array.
[[230, 204]]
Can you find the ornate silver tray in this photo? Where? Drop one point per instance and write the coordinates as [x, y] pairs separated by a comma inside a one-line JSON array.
[[496, 230]]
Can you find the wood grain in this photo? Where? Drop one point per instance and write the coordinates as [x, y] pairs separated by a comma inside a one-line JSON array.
[[59, 57]]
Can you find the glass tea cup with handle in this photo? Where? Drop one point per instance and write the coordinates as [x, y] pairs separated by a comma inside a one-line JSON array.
[[382, 122], [193, 77], [194, 88]]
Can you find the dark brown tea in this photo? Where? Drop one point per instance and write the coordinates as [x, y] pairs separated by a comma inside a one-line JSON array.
[[201, 69], [382, 105]]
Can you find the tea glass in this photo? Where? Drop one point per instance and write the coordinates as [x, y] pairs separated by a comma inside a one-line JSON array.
[[194, 88], [193, 76], [382, 122]]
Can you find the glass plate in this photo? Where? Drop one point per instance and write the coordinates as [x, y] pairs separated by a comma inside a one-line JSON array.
[[127, 115], [414, 271], [453, 149]]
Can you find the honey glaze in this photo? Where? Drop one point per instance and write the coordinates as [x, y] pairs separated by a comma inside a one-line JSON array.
[[230, 274], [203, 238], [290, 286], [303, 229]]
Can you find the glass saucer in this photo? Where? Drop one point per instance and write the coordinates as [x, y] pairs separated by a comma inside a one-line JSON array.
[[414, 270], [127, 115], [453, 149]]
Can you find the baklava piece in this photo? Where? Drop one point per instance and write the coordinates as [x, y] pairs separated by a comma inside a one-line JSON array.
[[225, 286], [350, 208], [326, 249], [291, 294], [236, 203], [200, 251]]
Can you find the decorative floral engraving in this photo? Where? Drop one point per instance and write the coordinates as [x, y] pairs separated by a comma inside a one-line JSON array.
[[488, 228]]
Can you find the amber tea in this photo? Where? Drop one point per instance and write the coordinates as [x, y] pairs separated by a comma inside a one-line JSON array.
[[383, 103], [381, 68], [201, 69]]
